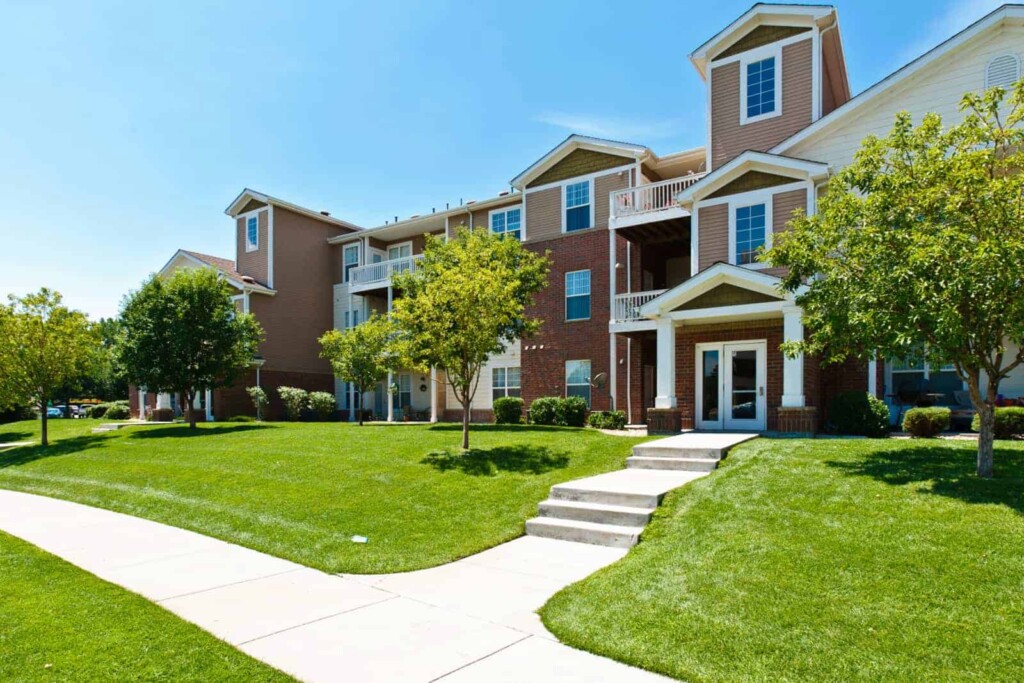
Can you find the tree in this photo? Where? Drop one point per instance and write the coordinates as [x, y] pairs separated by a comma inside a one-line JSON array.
[[917, 251], [466, 301], [362, 355], [259, 399], [185, 334], [43, 347]]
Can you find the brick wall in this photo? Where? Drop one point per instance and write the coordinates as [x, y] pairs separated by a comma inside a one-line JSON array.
[[233, 400]]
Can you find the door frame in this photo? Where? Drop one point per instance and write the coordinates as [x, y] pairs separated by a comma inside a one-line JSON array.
[[724, 392]]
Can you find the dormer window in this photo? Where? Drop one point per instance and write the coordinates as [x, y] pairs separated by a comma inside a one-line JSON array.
[[252, 233], [760, 86]]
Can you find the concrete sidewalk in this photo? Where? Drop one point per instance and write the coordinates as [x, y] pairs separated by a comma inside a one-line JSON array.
[[471, 620]]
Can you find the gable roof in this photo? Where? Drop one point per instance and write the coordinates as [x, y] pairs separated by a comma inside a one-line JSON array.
[[753, 161], [855, 104], [715, 276], [761, 13], [226, 267], [247, 195], [570, 145]]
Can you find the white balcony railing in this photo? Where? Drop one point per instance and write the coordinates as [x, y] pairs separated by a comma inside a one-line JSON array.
[[650, 198], [379, 274], [627, 306]]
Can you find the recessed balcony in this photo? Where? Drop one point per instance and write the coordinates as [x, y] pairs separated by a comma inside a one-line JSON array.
[[650, 202], [626, 310]]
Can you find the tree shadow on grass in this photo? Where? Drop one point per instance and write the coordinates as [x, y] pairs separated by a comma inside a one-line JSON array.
[[946, 471], [487, 462], [499, 429], [12, 435], [182, 431], [26, 454]]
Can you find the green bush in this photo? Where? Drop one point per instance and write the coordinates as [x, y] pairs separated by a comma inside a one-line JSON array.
[[508, 410], [117, 412], [100, 409], [572, 411], [323, 405], [259, 400], [241, 418], [544, 410], [295, 401], [858, 413], [607, 419], [1009, 422], [926, 422]]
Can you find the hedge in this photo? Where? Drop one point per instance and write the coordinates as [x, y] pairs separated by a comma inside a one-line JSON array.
[[1009, 422], [858, 413], [508, 410], [926, 422]]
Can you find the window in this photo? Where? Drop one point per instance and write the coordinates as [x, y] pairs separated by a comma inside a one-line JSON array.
[[507, 222], [399, 251], [760, 90], [913, 376], [577, 379], [252, 233], [750, 233], [504, 382], [577, 206], [1002, 71], [351, 260], [577, 295], [404, 392], [351, 319]]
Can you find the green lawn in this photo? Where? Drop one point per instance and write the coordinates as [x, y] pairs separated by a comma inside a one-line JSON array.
[[826, 560], [59, 623], [301, 491]]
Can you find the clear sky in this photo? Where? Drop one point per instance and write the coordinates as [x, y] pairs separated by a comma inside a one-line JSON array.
[[126, 128]]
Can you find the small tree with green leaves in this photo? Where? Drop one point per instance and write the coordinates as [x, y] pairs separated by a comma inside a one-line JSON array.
[[44, 346], [917, 251], [259, 399], [465, 302], [361, 355], [185, 334]]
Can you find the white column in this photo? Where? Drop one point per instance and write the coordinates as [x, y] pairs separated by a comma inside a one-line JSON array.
[[792, 368], [196, 402], [873, 376], [142, 403], [391, 396], [163, 401], [666, 397], [433, 394], [209, 406]]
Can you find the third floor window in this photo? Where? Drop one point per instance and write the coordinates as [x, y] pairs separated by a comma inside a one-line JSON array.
[[760, 96], [577, 206], [252, 233]]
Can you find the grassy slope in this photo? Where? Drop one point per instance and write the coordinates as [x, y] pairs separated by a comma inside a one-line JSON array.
[[61, 623], [821, 561], [301, 491]]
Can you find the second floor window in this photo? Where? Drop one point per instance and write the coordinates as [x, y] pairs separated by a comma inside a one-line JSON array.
[[750, 233], [577, 295], [507, 222], [504, 382], [252, 233], [761, 86], [577, 206], [351, 260]]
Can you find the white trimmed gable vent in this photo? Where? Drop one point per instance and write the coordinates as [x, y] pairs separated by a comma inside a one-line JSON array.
[[1002, 71]]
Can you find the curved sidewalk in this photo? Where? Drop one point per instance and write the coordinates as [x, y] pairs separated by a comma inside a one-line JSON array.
[[471, 620]]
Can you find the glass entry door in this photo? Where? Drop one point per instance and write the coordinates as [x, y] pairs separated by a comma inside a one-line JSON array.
[[730, 386]]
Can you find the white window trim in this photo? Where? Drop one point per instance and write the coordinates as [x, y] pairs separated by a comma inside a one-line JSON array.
[[751, 199], [252, 246], [505, 367], [584, 384], [505, 210], [773, 50], [565, 294], [397, 245], [565, 208], [344, 268]]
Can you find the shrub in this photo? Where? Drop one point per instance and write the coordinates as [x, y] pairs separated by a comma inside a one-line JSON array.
[[259, 400], [572, 411], [295, 400], [607, 419], [1009, 422], [322, 404], [858, 413], [544, 410], [508, 410], [241, 418], [117, 412], [926, 422]]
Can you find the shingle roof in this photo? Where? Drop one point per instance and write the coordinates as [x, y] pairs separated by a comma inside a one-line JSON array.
[[227, 267]]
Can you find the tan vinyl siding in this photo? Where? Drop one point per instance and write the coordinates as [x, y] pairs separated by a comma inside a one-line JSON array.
[[712, 235], [603, 186], [578, 163], [482, 217], [253, 263], [544, 214], [729, 138], [252, 205], [783, 206]]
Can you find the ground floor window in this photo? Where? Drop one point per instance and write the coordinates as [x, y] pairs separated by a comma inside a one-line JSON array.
[[404, 391], [915, 380], [505, 382], [577, 379]]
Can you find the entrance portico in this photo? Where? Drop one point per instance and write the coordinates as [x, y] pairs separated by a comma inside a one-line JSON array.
[[719, 363]]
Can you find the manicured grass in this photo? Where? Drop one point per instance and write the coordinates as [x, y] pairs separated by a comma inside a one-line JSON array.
[[301, 491], [826, 560], [60, 623]]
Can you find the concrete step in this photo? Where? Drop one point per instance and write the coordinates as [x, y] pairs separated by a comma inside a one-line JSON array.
[[595, 512], [620, 498], [691, 445], [665, 463], [611, 535]]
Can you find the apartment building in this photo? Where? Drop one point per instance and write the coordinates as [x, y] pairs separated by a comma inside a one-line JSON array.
[[656, 303]]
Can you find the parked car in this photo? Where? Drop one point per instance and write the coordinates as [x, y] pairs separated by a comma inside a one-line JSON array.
[[54, 412]]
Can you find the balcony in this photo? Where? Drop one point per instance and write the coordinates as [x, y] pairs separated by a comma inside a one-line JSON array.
[[378, 275], [654, 201], [626, 307]]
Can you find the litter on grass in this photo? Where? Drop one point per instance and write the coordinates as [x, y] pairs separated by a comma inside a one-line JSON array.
[[359, 539]]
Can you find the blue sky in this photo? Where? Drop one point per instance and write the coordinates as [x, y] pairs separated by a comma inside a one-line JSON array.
[[127, 128]]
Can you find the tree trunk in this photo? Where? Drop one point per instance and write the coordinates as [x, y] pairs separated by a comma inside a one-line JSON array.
[[192, 410], [987, 417], [44, 439], [465, 426]]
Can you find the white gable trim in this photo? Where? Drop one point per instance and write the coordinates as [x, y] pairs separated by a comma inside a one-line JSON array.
[[570, 145], [716, 275], [797, 169]]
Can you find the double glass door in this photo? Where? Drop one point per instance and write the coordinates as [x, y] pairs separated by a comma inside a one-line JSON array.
[[731, 386]]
